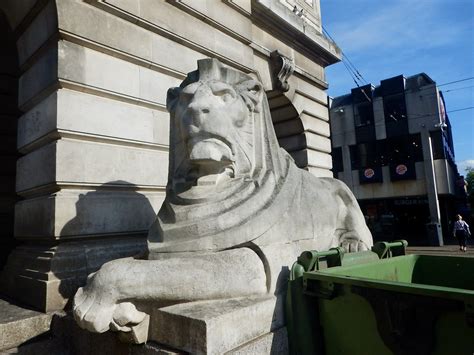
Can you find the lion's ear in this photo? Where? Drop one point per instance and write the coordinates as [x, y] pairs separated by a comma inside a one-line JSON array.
[[251, 91], [172, 98]]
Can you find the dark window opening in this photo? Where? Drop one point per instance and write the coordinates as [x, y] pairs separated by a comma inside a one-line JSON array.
[[363, 114], [437, 145], [364, 155], [396, 123], [403, 149], [395, 108], [337, 163], [385, 152]]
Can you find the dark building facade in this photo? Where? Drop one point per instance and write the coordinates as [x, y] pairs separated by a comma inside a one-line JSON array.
[[392, 145]]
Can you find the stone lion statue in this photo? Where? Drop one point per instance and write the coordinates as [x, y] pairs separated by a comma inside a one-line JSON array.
[[237, 212]]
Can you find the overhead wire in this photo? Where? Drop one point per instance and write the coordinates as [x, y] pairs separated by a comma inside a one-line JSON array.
[[461, 109], [354, 67], [350, 66], [358, 78], [355, 74], [456, 81], [421, 115], [462, 88]]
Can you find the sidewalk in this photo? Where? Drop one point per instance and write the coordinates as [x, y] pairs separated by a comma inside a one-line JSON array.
[[447, 250]]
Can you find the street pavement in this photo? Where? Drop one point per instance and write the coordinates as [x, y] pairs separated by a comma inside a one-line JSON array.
[[446, 250]]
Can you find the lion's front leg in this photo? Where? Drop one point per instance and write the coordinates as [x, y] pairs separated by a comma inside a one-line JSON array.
[[106, 302], [353, 234], [98, 306]]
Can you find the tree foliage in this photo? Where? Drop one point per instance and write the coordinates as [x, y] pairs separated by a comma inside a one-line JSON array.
[[469, 177]]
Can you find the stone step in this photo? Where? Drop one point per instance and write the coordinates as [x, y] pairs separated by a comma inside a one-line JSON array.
[[18, 325], [217, 326]]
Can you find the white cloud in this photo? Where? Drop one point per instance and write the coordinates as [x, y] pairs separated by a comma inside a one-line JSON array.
[[462, 165], [402, 25]]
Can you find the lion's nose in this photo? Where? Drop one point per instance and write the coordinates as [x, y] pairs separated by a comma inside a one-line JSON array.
[[198, 112], [198, 108]]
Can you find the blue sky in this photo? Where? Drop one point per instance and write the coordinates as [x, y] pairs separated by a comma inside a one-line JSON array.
[[392, 37]]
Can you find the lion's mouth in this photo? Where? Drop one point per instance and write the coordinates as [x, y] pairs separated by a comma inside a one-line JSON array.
[[208, 148], [211, 160]]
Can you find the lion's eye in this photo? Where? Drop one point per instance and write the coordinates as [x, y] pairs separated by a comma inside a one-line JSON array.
[[225, 95]]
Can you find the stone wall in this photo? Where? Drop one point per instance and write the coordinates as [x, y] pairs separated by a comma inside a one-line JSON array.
[[93, 134]]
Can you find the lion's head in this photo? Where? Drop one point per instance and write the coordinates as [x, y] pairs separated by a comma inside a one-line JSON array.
[[213, 111]]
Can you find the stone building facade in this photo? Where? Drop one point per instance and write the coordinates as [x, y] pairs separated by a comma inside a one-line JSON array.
[[85, 127], [393, 146]]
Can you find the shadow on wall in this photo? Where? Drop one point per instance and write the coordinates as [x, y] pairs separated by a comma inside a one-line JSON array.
[[9, 114], [114, 207], [111, 222]]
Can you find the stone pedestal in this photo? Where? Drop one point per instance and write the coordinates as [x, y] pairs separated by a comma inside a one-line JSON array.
[[238, 326], [233, 326]]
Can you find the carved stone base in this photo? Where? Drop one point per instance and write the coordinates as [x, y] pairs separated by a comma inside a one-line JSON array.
[[237, 326], [242, 326], [45, 277]]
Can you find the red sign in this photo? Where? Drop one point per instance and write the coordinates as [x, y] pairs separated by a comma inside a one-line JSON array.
[[369, 173], [401, 169]]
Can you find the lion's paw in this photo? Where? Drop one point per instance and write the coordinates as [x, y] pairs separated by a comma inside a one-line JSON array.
[[351, 245], [125, 317], [99, 314], [93, 312]]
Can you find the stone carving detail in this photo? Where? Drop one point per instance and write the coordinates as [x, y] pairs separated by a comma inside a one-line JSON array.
[[282, 68], [237, 211]]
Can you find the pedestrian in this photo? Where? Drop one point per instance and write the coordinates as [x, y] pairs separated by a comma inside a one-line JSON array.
[[461, 232]]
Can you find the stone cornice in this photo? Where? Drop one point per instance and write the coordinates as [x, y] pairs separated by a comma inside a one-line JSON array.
[[288, 27]]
